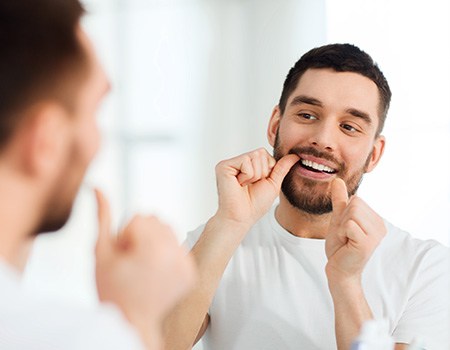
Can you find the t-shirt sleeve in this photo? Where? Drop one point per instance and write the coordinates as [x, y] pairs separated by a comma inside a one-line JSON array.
[[427, 312]]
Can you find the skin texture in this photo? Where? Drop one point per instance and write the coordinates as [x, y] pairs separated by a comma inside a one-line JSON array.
[[336, 115], [142, 269]]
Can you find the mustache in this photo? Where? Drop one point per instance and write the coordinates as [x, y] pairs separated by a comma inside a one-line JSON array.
[[318, 154]]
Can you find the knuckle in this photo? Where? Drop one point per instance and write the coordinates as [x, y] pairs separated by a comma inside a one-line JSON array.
[[262, 151], [247, 158], [349, 225], [219, 166], [254, 154], [133, 224]]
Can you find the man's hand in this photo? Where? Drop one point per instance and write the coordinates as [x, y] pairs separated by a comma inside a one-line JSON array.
[[248, 185], [143, 270], [354, 233]]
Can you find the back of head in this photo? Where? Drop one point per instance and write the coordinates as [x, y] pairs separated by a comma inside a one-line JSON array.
[[340, 58], [41, 56]]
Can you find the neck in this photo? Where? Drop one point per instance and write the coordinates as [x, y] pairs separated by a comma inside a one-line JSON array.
[[300, 223], [18, 216], [15, 243], [16, 253]]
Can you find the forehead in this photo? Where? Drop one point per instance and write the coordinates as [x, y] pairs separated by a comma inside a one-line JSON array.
[[339, 90]]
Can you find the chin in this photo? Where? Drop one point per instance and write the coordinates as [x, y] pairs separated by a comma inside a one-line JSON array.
[[54, 222]]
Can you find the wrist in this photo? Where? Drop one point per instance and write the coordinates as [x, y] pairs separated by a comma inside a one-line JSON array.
[[235, 227], [340, 282]]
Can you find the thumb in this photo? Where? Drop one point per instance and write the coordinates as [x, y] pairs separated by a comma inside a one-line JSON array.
[[339, 196], [104, 223], [282, 167]]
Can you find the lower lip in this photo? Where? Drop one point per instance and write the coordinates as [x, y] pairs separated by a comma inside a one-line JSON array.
[[312, 174]]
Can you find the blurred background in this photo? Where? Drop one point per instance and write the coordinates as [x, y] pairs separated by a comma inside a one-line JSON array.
[[195, 81]]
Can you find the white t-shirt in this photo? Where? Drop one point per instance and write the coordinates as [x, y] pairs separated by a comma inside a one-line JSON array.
[[274, 292], [30, 322]]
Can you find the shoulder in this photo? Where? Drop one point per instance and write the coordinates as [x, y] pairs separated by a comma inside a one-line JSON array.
[[36, 322], [400, 248], [397, 238]]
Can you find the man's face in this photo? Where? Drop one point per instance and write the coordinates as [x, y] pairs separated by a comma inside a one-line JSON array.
[[82, 144], [330, 122]]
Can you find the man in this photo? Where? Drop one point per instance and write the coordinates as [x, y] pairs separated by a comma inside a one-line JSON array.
[[308, 272], [51, 84]]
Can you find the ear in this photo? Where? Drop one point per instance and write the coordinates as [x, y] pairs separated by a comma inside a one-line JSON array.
[[274, 123], [45, 138], [377, 152]]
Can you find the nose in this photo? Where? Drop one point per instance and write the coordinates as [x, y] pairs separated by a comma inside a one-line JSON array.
[[324, 136]]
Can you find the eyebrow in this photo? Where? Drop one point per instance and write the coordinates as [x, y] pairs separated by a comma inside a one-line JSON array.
[[360, 114], [303, 99]]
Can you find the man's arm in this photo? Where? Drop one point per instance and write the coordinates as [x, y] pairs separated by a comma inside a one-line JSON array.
[[351, 310], [189, 320], [354, 233], [247, 186]]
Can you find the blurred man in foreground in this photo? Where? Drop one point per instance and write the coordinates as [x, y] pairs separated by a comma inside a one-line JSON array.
[[51, 85]]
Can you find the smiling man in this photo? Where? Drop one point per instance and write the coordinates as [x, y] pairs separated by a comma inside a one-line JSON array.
[[307, 273]]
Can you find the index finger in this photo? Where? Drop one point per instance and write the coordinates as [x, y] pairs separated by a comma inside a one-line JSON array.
[[104, 221]]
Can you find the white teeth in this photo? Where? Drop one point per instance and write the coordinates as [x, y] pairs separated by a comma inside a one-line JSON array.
[[317, 166]]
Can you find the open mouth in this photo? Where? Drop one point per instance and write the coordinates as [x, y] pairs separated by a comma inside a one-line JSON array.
[[316, 167]]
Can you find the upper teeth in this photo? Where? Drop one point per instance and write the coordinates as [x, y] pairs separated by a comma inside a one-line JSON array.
[[317, 166]]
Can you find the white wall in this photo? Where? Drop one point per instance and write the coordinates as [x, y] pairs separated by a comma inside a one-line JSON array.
[[411, 42]]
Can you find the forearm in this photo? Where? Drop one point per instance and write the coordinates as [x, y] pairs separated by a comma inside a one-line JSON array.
[[212, 253], [351, 310]]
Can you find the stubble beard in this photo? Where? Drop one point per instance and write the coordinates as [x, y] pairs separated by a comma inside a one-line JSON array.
[[61, 198], [309, 195]]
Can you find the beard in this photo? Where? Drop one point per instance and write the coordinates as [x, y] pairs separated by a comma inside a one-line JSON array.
[[311, 196], [56, 215], [58, 205]]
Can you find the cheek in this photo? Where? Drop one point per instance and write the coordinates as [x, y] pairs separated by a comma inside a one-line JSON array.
[[289, 136], [89, 140], [358, 156]]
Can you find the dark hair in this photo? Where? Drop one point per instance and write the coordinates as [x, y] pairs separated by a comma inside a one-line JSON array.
[[341, 58], [41, 56]]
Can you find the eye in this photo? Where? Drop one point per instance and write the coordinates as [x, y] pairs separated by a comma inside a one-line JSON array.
[[349, 128], [307, 116]]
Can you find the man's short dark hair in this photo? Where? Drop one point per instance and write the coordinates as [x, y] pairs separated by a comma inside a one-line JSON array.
[[41, 56], [340, 58]]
